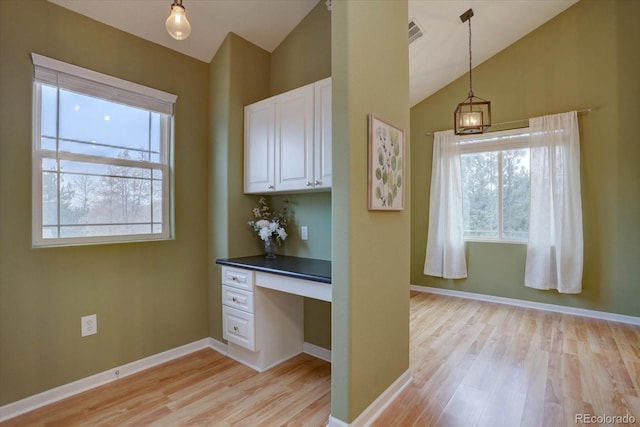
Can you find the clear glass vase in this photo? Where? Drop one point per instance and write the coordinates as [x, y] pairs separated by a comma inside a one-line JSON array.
[[270, 247]]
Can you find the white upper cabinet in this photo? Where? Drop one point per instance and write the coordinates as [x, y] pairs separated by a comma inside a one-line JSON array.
[[322, 139], [259, 147], [288, 141], [294, 139]]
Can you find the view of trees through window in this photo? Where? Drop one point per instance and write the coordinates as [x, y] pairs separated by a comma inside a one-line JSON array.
[[102, 169], [495, 188]]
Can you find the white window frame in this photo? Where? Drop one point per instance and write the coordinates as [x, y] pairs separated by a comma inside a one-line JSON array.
[[493, 142], [48, 71]]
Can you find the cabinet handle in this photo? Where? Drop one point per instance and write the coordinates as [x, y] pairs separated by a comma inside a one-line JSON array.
[[309, 184], [234, 278], [234, 299], [316, 182], [271, 187], [235, 328]]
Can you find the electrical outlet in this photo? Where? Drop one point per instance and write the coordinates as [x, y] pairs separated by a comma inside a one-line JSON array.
[[89, 325], [304, 232]]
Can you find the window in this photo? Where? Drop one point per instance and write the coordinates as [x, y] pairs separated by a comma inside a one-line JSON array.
[[101, 157], [495, 186]]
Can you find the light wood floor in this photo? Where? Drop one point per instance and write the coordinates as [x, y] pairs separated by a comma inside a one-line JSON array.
[[473, 364], [483, 364]]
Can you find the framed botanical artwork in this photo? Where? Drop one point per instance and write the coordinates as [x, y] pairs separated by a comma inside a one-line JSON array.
[[386, 165]]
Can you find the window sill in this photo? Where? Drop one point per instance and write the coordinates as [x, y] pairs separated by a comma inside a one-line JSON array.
[[510, 242]]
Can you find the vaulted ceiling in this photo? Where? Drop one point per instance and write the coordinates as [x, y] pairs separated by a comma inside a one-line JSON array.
[[436, 59]]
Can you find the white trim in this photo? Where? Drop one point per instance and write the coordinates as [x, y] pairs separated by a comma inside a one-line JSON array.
[[218, 346], [47, 397], [373, 411], [603, 315], [316, 351]]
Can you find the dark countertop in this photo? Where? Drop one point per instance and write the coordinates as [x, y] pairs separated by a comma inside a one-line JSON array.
[[316, 270]]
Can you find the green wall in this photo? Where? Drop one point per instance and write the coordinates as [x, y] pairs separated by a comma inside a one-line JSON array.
[[149, 297], [238, 75], [585, 57], [304, 56], [370, 308]]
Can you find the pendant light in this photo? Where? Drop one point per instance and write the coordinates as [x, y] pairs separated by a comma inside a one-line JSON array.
[[473, 115], [177, 24]]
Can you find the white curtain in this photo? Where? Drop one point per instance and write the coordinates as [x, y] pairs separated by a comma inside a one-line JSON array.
[[445, 255], [555, 248]]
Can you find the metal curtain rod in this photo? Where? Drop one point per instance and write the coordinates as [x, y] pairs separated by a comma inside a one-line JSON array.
[[584, 110]]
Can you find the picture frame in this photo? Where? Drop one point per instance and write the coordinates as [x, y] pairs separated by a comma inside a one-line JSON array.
[[386, 165]]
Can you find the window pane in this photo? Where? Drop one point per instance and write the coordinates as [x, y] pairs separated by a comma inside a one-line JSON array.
[[155, 139], [49, 99], [480, 194], [104, 230], [515, 194], [157, 200], [48, 143], [49, 198], [96, 198], [97, 124], [50, 232]]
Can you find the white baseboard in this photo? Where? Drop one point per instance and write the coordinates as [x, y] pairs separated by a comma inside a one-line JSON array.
[[47, 397], [373, 411], [317, 351], [603, 315], [218, 346], [30, 403]]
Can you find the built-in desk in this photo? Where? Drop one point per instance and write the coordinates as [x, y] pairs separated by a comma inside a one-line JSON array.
[[299, 276], [262, 305]]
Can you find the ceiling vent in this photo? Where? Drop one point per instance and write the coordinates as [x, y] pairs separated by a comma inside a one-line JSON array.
[[415, 30]]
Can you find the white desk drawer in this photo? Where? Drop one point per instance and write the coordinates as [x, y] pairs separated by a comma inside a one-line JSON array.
[[238, 278], [237, 298], [238, 327]]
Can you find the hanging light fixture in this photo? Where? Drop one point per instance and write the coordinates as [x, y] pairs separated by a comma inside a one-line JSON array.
[[473, 115], [177, 24]]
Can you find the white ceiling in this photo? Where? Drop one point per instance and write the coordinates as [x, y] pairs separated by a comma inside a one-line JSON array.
[[436, 59]]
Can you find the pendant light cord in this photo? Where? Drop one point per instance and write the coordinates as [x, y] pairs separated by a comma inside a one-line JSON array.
[[470, 78]]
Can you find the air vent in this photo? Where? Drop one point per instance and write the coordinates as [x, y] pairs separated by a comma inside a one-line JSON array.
[[415, 30]]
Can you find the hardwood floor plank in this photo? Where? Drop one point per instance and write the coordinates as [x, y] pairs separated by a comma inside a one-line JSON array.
[[473, 364]]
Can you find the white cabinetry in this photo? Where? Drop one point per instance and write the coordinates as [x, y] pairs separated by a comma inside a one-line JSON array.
[[322, 139], [238, 322], [294, 139], [288, 141], [263, 327], [259, 146]]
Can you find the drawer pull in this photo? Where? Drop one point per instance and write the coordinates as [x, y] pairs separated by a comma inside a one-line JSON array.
[[234, 299], [235, 328], [234, 278]]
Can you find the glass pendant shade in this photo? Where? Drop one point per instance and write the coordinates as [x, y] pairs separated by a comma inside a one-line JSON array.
[[177, 24], [473, 115]]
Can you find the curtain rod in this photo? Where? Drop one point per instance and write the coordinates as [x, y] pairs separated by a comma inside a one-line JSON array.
[[584, 110]]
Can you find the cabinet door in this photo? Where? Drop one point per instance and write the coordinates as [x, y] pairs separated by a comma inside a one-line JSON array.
[[294, 139], [322, 141], [259, 147]]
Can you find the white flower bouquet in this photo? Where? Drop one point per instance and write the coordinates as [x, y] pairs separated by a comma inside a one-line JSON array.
[[269, 224]]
